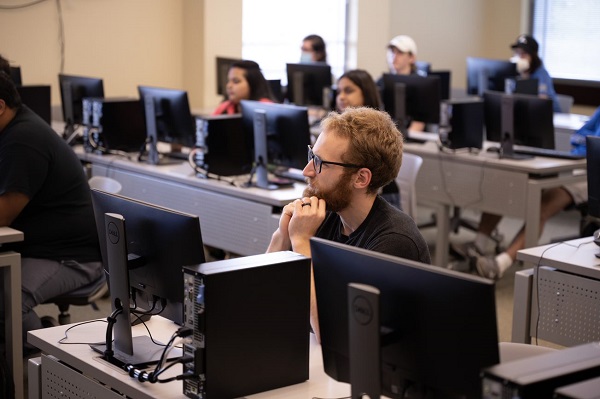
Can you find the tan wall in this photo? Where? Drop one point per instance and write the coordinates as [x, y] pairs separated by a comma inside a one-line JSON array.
[[173, 43], [126, 42]]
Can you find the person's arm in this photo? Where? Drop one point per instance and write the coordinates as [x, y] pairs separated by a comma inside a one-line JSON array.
[[304, 225], [280, 240], [11, 205]]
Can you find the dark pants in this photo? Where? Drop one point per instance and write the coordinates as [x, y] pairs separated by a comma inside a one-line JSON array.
[[42, 280]]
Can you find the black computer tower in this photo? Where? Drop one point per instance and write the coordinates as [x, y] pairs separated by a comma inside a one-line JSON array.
[[250, 318], [537, 377], [461, 124]]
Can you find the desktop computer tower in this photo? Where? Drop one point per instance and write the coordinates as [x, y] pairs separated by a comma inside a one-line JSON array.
[[537, 377], [113, 124], [461, 123], [223, 146], [250, 318]]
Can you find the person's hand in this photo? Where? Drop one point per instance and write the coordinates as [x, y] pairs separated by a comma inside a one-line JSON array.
[[307, 216]]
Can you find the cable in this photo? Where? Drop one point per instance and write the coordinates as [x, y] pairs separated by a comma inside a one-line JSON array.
[[205, 173], [18, 6], [537, 277], [62, 340]]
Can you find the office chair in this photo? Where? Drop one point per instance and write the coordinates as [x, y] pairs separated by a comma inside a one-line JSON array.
[[406, 179], [86, 295], [565, 102]]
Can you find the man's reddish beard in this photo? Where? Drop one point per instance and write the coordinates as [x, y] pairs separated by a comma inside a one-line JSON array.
[[336, 198]]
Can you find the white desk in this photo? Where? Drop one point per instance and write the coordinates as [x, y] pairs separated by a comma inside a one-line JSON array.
[[93, 375], [558, 299], [484, 182], [10, 262], [235, 219], [564, 126]]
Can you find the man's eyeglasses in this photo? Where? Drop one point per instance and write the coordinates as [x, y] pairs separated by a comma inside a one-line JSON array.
[[318, 162]]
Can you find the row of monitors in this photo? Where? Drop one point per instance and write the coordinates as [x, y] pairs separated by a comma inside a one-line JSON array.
[[426, 313]]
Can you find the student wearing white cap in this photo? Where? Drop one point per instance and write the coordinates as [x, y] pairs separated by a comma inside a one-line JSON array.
[[402, 55]]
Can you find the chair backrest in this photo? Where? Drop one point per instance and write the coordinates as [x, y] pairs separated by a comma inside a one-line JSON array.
[[105, 184], [565, 102], [406, 179]]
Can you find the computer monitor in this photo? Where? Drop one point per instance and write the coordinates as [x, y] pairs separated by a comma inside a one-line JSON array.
[[168, 118], [533, 119], [222, 65], [287, 132], [72, 91], [37, 97], [160, 241], [309, 84], [593, 177], [488, 74], [422, 97], [438, 326], [15, 75], [445, 85], [423, 67]]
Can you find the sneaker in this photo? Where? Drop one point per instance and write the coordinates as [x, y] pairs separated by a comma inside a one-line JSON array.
[[486, 266], [461, 251]]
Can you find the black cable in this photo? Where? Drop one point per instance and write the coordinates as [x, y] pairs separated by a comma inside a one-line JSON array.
[[61, 341], [205, 173]]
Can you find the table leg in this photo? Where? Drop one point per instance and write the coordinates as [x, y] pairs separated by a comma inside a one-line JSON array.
[[10, 262]]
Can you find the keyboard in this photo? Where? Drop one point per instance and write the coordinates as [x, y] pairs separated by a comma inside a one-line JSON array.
[[545, 152], [293, 174]]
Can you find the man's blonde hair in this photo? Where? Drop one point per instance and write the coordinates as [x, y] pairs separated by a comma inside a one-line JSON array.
[[374, 142]]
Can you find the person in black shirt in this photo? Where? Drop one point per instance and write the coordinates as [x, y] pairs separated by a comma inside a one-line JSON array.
[[358, 152], [43, 193]]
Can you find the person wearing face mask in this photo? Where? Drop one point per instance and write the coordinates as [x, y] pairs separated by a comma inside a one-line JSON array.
[[401, 60], [530, 66], [356, 88], [245, 81], [313, 50]]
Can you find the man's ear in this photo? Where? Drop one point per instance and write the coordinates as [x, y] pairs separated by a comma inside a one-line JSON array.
[[363, 178]]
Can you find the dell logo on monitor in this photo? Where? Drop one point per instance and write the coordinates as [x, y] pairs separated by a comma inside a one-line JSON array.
[[362, 310], [113, 233]]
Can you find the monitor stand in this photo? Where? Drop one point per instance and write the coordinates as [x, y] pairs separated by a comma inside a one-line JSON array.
[[507, 126], [364, 337], [145, 352]]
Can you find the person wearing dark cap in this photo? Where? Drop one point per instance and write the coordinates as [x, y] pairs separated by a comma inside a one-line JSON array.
[[530, 66]]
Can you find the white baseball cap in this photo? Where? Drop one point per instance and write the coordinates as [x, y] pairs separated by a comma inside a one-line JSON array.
[[404, 43]]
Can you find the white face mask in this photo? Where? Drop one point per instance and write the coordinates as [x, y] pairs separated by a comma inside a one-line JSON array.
[[390, 61], [305, 57], [522, 63]]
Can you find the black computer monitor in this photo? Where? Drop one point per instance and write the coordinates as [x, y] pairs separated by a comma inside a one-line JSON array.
[[445, 85], [222, 65], [15, 75], [422, 96], [172, 115], [165, 240], [438, 326], [287, 132], [309, 84], [72, 90], [488, 74], [37, 97], [593, 177], [533, 119], [423, 67]]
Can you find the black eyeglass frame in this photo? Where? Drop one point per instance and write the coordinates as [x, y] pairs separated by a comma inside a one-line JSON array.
[[318, 161]]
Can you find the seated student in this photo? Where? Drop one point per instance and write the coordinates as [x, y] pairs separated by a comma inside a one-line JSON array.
[[313, 49], [45, 194], [554, 200], [358, 152], [530, 66], [357, 88], [245, 81], [401, 60]]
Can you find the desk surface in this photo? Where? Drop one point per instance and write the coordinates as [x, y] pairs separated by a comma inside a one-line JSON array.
[[182, 172], [82, 358], [575, 256], [8, 234]]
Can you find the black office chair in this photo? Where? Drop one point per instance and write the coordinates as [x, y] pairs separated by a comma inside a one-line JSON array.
[[83, 296]]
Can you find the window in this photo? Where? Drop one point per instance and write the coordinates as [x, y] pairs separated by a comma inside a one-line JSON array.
[[272, 32], [569, 36]]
